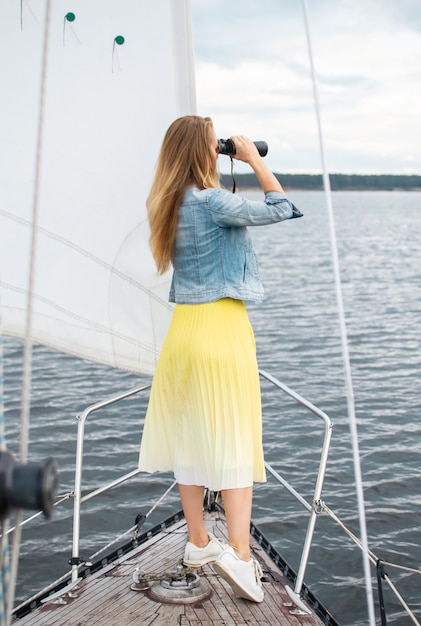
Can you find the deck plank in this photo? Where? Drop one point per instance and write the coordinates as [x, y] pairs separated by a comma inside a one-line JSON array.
[[105, 598]]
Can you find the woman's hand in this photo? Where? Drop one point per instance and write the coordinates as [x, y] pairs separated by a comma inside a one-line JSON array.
[[245, 150]]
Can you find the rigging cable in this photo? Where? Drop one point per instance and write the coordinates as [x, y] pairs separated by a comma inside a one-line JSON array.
[[344, 342], [27, 359], [4, 545], [374, 560], [133, 528]]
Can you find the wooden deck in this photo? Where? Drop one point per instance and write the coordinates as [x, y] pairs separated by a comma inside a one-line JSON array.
[[105, 598]]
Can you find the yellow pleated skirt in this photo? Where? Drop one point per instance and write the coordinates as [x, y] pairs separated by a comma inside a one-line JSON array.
[[204, 419]]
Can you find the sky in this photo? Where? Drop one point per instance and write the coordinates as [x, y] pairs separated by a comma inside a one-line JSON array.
[[103, 124], [253, 77]]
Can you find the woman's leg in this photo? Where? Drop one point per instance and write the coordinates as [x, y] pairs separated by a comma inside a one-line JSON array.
[[234, 564], [192, 502], [237, 505]]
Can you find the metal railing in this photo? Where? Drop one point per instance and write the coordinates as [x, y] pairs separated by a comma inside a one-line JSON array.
[[314, 508]]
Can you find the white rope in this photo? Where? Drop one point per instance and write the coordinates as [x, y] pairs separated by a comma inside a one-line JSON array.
[[2, 421], [4, 545], [27, 360], [344, 341], [405, 568], [371, 554], [5, 575], [26, 521], [130, 530], [27, 363], [402, 601]]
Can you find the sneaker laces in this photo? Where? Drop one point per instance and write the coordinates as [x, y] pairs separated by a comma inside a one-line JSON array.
[[258, 572], [220, 542]]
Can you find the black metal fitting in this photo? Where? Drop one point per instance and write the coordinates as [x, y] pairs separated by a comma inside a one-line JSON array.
[[29, 486]]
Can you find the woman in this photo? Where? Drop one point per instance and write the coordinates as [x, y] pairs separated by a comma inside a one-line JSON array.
[[204, 416]]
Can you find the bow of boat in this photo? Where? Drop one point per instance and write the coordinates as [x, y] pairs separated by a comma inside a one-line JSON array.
[[106, 592]]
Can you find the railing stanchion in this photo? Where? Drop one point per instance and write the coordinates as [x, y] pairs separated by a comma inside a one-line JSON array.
[[295, 594], [75, 560]]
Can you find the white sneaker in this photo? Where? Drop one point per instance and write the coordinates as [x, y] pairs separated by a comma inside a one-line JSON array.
[[243, 576], [196, 557]]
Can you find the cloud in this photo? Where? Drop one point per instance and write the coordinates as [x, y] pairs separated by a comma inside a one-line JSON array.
[[253, 76]]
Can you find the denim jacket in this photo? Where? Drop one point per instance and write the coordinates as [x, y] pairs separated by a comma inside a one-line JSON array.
[[213, 255]]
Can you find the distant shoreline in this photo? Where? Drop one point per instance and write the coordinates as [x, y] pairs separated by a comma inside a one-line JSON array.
[[338, 182]]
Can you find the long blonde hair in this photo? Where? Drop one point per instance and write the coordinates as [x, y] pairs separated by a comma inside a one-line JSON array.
[[185, 159]]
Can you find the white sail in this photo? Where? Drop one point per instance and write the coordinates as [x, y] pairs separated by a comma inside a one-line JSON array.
[[108, 103]]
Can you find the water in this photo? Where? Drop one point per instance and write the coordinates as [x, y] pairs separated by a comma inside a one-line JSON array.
[[297, 334]]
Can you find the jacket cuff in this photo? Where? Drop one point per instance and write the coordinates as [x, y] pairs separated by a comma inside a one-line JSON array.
[[295, 212]]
